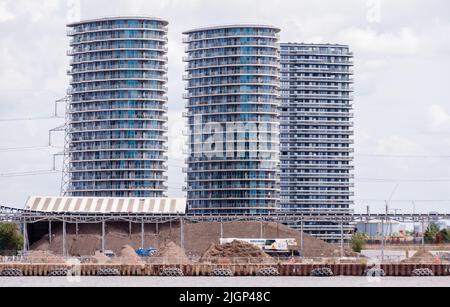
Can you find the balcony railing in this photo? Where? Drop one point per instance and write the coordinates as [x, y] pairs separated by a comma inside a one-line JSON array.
[[80, 50], [107, 66], [119, 57], [229, 42], [100, 38], [79, 90], [229, 53], [110, 27], [256, 34]]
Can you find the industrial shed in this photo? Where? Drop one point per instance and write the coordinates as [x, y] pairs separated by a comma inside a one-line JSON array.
[[107, 205], [43, 215]]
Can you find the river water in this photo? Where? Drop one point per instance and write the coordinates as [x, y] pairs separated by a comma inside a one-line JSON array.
[[224, 282]]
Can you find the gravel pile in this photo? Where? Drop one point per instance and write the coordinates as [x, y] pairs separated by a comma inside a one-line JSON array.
[[100, 258], [197, 237], [235, 252], [170, 254], [234, 249], [128, 255]]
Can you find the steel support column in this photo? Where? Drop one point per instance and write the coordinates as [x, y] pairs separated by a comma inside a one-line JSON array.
[[50, 231], [423, 235], [25, 236], [342, 239], [64, 247], [382, 239], [302, 237], [103, 236], [142, 234], [182, 233]]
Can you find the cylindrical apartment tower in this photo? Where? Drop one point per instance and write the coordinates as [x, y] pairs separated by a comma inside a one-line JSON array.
[[233, 82], [117, 114]]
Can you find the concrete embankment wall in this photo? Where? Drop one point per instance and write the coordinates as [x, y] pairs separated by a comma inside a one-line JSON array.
[[238, 269]]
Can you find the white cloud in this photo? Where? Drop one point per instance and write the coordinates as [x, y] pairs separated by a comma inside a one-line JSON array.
[[5, 14], [37, 10], [398, 145], [439, 116], [372, 42], [400, 66]]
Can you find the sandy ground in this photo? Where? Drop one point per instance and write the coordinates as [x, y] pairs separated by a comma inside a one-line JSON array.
[[226, 282]]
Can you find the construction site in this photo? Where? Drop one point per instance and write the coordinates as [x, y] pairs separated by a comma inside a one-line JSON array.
[[177, 244]]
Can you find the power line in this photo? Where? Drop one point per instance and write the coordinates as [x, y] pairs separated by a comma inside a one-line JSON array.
[[30, 173], [405, 156], [29, 148], [399, 180], [29, 118], [405, 200]]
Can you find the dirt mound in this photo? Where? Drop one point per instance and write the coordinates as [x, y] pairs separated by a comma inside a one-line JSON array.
[[197, 237], [100, 258], [128, 255], [170, 254], [236, 251], [422, 257], [40, 256]]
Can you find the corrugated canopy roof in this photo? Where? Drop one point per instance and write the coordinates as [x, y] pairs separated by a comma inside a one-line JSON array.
[[107, 205]]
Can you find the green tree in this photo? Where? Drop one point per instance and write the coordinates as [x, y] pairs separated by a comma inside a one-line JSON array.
[[358, 242], [431, 232], [445, 234], [10, 238]]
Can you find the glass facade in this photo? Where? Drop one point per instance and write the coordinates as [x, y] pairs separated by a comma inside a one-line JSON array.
[[233, 118], [316, 133], [117, 113]]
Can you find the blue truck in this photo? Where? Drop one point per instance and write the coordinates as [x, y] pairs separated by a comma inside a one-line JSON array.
[[146, 252]]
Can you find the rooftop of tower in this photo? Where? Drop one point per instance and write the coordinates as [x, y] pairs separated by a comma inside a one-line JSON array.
[[314, 44], [121, 17], [229, 26]]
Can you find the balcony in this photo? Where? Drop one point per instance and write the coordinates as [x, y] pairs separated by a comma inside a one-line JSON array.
[[225, 93], [190, 38], [95, 58], [102, 97], [259, 70], [117, 78], [110, 27], [124, 117], [81, 90], [80, 50], [270, 42], [79, 40], [229, 53]]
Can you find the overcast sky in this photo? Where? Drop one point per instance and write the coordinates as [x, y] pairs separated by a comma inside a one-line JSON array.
[[402, 65]]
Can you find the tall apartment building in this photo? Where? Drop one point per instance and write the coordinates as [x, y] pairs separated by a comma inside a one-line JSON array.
[[117, 113], [316, 133], [233, 118]]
